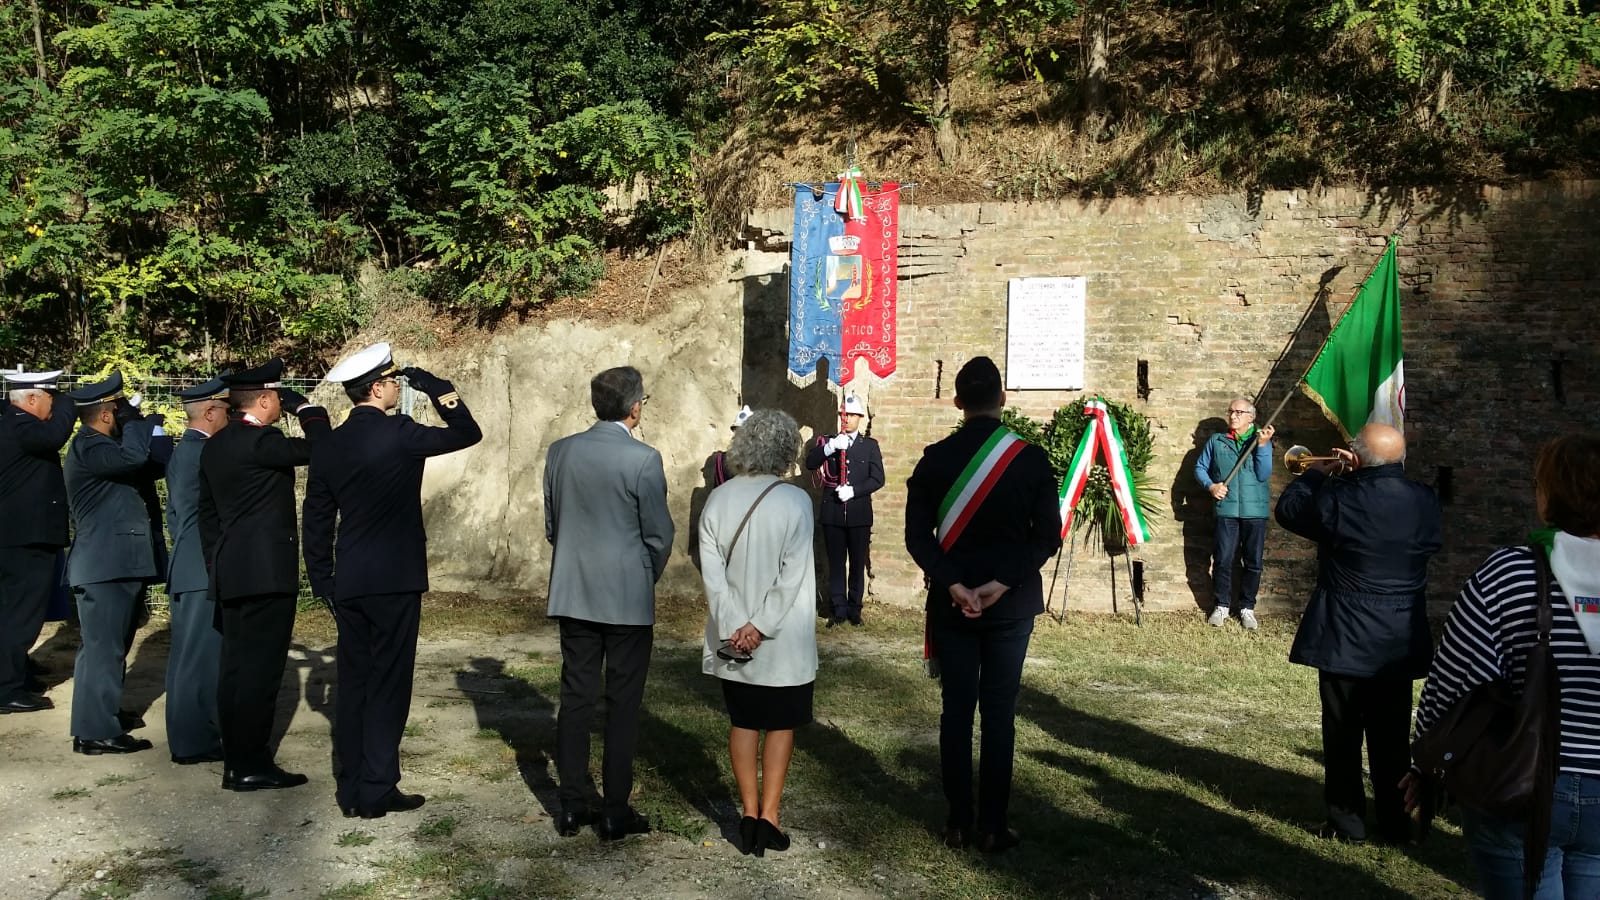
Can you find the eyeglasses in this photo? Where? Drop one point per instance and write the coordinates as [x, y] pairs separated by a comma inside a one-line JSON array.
[[1241, 412], [645, 399], [729, 653]]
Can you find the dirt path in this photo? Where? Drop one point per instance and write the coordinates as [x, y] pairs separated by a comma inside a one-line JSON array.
[[139, 826]]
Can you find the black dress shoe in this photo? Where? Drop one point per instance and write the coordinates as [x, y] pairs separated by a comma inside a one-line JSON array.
[[856, 620], [198, 758], [571, 821], [267, 780], [747, 835], [769, 837], [615, 828], [26, 703], [394, 802], [997, 841], [122, 743], [130, 721]]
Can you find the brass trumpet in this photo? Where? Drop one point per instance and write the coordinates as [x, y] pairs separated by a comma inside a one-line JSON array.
[[1298, 458]]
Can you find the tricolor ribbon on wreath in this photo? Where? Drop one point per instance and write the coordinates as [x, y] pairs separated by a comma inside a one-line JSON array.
[[848, 201], [1102, 437]]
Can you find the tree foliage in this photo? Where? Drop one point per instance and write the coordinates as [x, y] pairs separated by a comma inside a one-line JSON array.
[[184, 178]]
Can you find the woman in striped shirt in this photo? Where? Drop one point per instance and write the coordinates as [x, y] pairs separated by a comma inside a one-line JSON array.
[[1490, 632]]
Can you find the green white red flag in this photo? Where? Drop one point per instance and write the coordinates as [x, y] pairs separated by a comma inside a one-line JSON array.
[[1359, 375]]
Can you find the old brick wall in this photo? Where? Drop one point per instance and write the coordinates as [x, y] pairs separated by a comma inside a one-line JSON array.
[[1500, 331]]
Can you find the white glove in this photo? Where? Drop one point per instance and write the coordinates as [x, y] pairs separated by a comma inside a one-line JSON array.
[[845, 492], [157, 431], [136, 401]]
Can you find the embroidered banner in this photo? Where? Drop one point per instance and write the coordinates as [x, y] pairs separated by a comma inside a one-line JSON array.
[[843, 284]]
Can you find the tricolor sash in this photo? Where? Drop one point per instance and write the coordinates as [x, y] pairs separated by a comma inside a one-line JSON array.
[[975, 483]]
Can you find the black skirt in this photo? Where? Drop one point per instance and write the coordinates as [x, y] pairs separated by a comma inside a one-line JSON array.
[[762, 708]]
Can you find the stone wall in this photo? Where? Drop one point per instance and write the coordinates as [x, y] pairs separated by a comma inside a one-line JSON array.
[[1207, 292]]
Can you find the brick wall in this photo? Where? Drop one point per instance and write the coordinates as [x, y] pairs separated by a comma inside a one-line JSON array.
[[1500, 330]]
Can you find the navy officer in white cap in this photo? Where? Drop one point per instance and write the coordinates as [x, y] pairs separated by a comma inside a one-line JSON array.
[[34, 425], [251, 545], [192, 663], [117, 550], [849, 468], [366, 554]]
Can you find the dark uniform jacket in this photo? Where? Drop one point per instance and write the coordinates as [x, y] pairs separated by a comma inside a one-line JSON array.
[[187, 569], [1375, 531], [33, 496], [864, 465], [365, 484], [1009, 537], [116, 530], [247, 514]]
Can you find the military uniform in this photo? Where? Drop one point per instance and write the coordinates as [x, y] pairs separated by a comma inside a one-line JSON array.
[[194, 660], [117, 550], [365, 486], [251, 544], [846, 516], [33, 527]]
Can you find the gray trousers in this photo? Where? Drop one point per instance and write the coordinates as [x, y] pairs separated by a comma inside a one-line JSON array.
[[105, 616], [193, 667]]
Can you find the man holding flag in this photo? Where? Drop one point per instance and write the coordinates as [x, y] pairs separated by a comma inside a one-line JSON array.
[[1241, 529], [981, 521]]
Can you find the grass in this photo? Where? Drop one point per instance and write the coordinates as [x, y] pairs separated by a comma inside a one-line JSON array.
[[442, 827], [76, 793], [116, 778], [354, 838]]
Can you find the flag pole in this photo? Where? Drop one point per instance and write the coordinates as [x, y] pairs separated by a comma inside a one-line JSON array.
[[1239, 463]]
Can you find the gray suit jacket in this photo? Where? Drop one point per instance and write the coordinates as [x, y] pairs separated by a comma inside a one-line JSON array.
[[113, 537], [605, 513], [186, 571]]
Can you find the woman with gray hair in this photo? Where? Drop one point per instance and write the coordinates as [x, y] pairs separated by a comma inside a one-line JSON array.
[[761, 633]]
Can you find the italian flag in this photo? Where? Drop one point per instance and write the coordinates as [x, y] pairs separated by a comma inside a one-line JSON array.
[[1359, 375]]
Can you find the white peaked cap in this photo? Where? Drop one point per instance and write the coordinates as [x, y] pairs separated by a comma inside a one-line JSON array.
[[745, 412], [853, 406], [367, 364], [26, 380]]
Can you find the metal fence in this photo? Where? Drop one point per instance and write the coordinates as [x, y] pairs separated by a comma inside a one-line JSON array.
[[160, 394]]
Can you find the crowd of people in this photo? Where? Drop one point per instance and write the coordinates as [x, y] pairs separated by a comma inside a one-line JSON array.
[[981, 519]]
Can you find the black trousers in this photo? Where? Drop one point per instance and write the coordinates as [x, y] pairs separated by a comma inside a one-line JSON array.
[[255, 649], [847, 543], [106, 613], [1378, 709], [377, 655], [622, 652], [25, 588], [980, 663]]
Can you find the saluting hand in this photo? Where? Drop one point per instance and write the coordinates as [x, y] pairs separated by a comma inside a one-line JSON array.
[[292, 399], [426, 381]]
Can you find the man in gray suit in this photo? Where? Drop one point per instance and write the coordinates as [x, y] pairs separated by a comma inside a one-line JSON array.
[[113, 555], [194, 663], [605, 514]]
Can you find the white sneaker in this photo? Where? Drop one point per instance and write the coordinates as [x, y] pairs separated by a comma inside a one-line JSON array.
[[1247, 617], [1219, 615]]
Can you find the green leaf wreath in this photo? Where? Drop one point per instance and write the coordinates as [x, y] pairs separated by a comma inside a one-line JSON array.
[[1096, 515]]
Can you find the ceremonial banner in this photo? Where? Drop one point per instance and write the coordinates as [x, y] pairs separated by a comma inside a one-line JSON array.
[[842, 283], [1359, 375]]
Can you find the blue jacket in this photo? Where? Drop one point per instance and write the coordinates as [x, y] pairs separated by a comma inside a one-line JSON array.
[[116, 531], [186, 570], [1375, 531], [1250, 492]]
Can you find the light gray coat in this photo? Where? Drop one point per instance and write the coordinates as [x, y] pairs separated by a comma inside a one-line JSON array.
[[605, 515]]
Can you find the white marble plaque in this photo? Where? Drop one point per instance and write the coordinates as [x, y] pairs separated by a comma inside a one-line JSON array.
[[1045, 333]]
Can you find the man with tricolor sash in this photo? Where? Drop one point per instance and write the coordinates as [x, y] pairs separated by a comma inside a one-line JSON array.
[[981, 521]]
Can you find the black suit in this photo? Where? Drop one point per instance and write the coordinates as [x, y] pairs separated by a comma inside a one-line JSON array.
[[365, 483], [33, 527], [847, 525], [247, 530], [1009, 538]]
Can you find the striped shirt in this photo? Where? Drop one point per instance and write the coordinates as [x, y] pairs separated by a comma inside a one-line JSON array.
[[1492, 628]]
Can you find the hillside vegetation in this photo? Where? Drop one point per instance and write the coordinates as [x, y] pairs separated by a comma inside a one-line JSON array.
[[191, 181]]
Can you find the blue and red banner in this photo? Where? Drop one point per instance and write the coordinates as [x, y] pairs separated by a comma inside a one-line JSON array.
[[842, 282]]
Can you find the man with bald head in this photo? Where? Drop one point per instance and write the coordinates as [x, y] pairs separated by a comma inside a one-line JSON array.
[[1365, 630]]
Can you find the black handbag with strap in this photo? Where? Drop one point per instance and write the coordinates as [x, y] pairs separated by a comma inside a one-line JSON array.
[[1497, 749]]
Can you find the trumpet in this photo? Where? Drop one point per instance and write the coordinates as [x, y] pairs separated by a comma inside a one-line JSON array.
[[1298, 458]]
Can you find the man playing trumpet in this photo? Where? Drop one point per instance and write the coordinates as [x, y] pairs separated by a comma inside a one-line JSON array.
[[1241, 507]]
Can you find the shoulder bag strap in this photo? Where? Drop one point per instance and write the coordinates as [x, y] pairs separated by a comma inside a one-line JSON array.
[[746, 520], [1541, 572]]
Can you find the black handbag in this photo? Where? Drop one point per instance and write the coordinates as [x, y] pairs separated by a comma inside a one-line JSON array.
[[1496, 750]]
